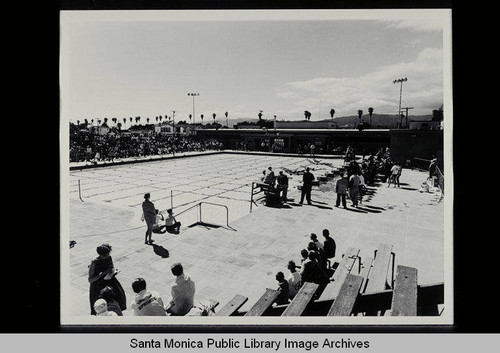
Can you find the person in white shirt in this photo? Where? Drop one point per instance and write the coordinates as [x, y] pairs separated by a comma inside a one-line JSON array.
[[171, 224], [361, 186], [294, 279], [395, 174], [314, 239], [146, 302], [182, 291]]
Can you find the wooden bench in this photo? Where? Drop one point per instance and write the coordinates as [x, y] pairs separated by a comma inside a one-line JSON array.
[[264, 302], [233, 306], [349, 291], [404, 296], [301, 299], [377, 280], [345, 266], [365, 272]]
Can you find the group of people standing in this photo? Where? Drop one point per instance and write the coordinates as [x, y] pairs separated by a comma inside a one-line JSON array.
[[107, 296], [279, 183]]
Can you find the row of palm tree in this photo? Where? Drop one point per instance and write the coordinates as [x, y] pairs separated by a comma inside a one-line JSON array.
[[159, 118]]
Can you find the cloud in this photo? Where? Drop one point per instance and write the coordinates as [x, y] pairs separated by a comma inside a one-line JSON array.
[[423, 90], [430, 23]]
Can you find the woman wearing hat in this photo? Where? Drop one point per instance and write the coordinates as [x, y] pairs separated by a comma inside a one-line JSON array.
[[102, 273]]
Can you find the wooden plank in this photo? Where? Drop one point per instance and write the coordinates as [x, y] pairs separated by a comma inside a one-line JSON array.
[[378, 274], [233, 306], [301, 299], [365, 272], [404, 297], [345, 266], [344, 303], [263, 303]]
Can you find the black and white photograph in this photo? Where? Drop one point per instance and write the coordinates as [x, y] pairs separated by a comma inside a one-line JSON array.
[[256, 167]]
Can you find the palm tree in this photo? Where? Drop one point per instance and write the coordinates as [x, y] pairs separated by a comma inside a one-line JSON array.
[[124, 121], [307, 115], [360, 113], [78, 123], [213, 115], [201, 116], [227, 125], [260, 115], [370, 112], [190, 116], [119, 125], [131, 120], [332, 112], [147, 120], [114, 120]]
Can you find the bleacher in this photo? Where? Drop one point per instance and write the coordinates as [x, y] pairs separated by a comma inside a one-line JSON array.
[[368, 287]]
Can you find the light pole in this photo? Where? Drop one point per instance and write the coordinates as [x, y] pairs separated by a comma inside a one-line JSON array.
[[193, 95], [173, 120], [400, 80]]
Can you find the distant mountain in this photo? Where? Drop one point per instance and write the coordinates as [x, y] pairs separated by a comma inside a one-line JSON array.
[[383, 121]]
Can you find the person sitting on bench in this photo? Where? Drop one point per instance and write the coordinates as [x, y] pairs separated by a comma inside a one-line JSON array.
[[284, 289]]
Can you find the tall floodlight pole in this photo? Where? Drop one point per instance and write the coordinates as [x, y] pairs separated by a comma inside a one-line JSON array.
[[193, 95], [173, 120], [400, 80]]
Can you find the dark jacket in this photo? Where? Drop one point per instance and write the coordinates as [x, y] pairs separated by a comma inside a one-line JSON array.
[[307, 179], [149, 210]]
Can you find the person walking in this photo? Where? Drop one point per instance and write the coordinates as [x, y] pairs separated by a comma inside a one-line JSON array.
[[354, 189], [307, 180], [395, 173], [341, 189], [361, 186], [148, 215]]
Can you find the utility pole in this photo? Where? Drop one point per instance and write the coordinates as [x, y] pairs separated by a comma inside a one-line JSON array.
[[406, 109]]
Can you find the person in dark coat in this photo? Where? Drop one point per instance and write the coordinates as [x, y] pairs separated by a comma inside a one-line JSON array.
[[102, 273], [307, 180], [148, 215]]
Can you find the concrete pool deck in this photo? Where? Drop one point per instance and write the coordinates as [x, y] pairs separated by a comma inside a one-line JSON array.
[[242, 259]]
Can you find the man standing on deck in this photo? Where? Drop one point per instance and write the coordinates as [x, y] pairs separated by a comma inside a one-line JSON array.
[[307, 180], [149, 215]]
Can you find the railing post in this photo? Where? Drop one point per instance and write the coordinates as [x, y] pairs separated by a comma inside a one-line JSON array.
[[79, 191], [200, 212]]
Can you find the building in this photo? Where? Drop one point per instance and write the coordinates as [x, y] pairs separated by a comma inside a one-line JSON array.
[[324, 124]]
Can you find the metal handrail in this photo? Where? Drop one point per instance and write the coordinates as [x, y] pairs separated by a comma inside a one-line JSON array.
[[217, 204], [200, 214], [187, 209]]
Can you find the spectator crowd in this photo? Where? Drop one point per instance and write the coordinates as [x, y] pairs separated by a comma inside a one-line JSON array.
[[88, 146]]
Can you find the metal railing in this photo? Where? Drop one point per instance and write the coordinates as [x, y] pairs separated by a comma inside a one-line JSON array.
[[200, 219]]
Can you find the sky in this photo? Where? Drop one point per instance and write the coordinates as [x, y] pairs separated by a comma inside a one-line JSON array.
[[144, 63]]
